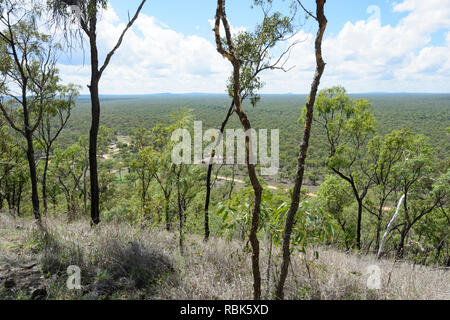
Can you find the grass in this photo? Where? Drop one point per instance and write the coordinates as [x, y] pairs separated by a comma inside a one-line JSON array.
[[119, 261]]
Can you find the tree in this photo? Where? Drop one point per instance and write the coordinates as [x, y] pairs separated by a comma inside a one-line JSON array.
[[83, 141], [348, 125], [334, 195], [186, 192], [69, 170], [432, 230], [384, 153], [56, 114], [144, 164], [28, 60], [89, 13], [249, 55], [295, 201], [423, 193], [209, 172], [13, 173], [165, 174]]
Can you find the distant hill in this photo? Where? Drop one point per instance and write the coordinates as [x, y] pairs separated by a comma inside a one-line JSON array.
[[112, 97]]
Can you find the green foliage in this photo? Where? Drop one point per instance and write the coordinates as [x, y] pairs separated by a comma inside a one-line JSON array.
[[253, 51], [312, 226], [348, 124]]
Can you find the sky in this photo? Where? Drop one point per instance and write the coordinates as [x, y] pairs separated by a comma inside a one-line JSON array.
[[369, 46]]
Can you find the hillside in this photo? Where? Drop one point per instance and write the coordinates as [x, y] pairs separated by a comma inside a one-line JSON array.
[[122, 262]]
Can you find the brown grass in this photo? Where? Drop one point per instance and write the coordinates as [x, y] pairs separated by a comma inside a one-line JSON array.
[[141, 262]]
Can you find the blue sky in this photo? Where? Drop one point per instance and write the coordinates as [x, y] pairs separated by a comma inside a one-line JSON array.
[[185, 16], [369, 46]]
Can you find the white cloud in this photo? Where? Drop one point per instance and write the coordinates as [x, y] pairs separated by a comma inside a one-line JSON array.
[[425, 16], [234, 30], [364, 56], [367, 56], [153, 58]]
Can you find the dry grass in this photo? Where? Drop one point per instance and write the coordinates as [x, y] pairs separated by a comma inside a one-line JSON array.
[[122, 262]]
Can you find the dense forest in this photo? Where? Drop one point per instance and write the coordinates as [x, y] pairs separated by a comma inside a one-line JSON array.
[[361, 176]]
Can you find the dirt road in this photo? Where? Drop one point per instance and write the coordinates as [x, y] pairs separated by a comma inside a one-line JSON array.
[[268, 186]]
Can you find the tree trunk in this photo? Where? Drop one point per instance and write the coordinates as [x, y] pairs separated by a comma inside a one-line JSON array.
[[85, 186], [8, 200], [232, 182], [208, 195], [208, 176], [253, 232], [44, 183], [295, 201], [33, 176], [401, 244], [378, 236], [358, 227], [95, 122], [19, 199], [257, 188], [166, 211], [69, 210], [180, 212], [269, 265], [95, 195]]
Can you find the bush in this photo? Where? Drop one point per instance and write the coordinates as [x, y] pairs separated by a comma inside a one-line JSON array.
[[56, 257], [134, 261]]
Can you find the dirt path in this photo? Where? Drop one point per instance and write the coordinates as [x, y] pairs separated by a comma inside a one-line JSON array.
[[268, 186]]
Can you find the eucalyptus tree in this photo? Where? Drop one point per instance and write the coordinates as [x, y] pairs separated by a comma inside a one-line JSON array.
[[13, 171], [384, 154], [423, 191], [144, 164], [165, 175], [69, 169], [433, 231], [141, 139], [186, 178], [83, 141], [334, 196], [250, 54], [28, 78], [15, 183], [57, 111], [88, 12], [6, 146], [209, 173], [309, 112], [348, 124]]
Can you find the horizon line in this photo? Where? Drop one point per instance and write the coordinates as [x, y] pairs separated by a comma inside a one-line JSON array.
[[262, 94]]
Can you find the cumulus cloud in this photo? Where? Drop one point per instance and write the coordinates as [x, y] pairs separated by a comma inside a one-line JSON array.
[[369, 56], [363, 56], [153, 58], [234, 30]]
